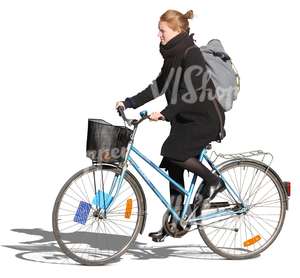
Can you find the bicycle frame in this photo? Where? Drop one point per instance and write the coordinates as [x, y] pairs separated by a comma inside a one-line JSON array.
[[202, 156], [92, 231]]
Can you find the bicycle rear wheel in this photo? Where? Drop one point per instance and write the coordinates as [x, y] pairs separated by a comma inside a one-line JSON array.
[[247, 234], [92, 224]]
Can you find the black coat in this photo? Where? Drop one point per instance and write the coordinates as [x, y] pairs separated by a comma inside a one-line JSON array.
[[194, 123]]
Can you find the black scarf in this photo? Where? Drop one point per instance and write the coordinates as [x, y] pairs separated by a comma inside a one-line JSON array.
[[173, 51], [177, 45]]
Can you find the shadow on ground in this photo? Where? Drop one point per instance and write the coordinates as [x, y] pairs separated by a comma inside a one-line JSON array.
[[45, 249]]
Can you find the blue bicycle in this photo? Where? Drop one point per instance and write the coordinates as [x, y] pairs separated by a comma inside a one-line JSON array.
[[100, 210]]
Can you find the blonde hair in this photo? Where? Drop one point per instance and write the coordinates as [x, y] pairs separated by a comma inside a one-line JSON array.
[[176, 20]]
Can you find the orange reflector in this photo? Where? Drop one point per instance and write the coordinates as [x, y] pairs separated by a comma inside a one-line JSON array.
[[128, 209], [252, 241]]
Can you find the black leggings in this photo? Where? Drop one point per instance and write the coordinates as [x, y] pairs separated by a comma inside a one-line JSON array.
[[176, 169]]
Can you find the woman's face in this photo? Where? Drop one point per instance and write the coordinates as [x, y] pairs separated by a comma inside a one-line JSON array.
[[165, 32]]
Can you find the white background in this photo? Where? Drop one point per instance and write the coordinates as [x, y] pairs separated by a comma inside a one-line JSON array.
[[62, 62]]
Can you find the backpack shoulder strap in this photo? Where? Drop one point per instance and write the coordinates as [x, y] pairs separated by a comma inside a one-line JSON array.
[[222, 130]]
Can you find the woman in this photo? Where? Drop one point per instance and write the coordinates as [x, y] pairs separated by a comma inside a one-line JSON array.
[[192, 115]]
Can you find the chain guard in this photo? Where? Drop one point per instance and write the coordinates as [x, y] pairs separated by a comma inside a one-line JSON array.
[[174, 229]]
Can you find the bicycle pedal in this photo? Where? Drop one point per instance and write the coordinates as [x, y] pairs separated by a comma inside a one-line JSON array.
[[219, 204], [160, 239]]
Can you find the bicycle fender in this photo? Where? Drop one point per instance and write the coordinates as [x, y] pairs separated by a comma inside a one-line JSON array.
[[219, 166], [144, 209], [277, 177]]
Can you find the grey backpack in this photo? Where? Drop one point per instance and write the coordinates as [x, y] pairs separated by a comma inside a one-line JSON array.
[[222, 72]]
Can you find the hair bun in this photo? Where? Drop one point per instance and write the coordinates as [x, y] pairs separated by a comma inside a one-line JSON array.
[[189, 14]]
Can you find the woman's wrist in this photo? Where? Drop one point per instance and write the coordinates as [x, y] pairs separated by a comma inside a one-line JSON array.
[[128, 103], [164, 116]]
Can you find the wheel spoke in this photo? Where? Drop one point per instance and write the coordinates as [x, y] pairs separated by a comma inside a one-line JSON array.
[[82, 228], [253, 230]]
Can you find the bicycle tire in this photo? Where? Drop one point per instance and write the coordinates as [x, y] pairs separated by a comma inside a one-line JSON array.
[[253, 243], [78, 244]]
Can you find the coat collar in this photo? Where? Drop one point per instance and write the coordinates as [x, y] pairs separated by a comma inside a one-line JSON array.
[[176, 45]]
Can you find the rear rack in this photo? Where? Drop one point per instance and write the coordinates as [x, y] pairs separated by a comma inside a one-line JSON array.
[[264, 157]]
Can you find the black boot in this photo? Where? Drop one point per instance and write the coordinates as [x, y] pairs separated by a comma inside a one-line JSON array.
[[202, 195], [159, 236], [177, 203], [208, 192], [217, 188]]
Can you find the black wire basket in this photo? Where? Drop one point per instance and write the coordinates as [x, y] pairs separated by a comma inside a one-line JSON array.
[[106, 142]]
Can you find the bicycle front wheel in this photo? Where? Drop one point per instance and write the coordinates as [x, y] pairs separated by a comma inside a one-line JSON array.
[[246, 234], [93, 224]]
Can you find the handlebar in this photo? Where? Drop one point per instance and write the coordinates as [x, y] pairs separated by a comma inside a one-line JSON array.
[[144, 115]]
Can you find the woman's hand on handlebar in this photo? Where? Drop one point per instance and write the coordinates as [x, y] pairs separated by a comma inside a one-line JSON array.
[[120, 103], [155, 116]]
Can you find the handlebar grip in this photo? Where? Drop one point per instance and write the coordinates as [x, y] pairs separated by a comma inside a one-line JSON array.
[[120, 110]]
